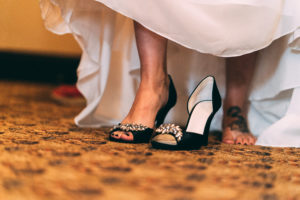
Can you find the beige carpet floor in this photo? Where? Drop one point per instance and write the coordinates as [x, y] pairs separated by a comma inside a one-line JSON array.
[[43, 155]]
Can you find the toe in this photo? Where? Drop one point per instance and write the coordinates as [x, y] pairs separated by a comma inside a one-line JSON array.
[[127, 136], [252, 140], [227, 137], [228, 141], [239, 140], [248, 140], [116, 135], [245, 140]]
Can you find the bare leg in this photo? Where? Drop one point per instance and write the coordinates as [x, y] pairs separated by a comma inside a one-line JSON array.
[[239, 73], [153, 90]]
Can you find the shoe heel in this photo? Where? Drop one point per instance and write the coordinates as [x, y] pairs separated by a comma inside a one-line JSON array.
[[217, 102], [202, 105], [162, 113], [204, 139], [216, 98]]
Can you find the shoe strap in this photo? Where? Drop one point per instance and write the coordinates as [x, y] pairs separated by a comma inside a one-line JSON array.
[[130, 127], [171, 129]]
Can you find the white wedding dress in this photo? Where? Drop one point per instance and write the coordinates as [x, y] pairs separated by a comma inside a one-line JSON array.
[[201, 33]]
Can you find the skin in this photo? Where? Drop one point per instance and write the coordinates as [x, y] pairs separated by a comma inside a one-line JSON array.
[[153, 89], [239, 74]]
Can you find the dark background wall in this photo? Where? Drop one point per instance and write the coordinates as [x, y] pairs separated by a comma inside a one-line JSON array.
[[30, 52], [38, 68]]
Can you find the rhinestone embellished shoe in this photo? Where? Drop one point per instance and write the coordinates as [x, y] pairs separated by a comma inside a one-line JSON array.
[[203, 103], [141, 133]]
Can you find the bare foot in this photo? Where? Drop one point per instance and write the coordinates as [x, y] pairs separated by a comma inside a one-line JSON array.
[[235, 128], [148, 100]]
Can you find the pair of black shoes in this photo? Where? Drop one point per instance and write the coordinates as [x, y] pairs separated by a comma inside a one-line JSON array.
[[202, 105]]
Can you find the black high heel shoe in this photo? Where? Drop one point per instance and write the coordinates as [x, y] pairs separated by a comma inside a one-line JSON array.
[[203, 103], [141, 133]]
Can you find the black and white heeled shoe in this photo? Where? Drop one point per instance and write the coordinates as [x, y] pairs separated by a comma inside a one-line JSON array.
[[202, 105], [141, 133]]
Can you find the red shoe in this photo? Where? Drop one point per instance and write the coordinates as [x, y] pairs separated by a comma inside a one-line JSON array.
[[68, 95]]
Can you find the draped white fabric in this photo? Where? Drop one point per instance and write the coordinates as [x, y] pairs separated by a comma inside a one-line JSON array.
[[109, 67]]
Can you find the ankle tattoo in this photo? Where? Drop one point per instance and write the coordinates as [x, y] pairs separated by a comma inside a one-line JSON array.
[[240, 123]]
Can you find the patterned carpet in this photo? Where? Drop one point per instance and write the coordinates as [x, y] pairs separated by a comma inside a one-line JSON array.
[[45, 156]]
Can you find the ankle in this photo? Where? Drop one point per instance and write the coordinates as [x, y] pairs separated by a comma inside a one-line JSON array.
[[156, 83], [227, 106], [233, 112]]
